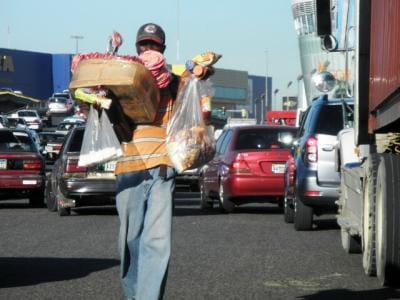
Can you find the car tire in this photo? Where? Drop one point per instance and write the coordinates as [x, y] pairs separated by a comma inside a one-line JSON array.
[[225, 205], [205, 201], [62, 211], [288, 210], [303, 215], [51, 202]]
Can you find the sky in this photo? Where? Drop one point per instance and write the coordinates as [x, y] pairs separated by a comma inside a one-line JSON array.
[[256, 36]]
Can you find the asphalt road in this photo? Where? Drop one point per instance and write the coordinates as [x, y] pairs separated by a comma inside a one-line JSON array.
[[251, 254]]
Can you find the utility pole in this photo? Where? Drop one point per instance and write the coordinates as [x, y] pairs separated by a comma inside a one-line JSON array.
[[77, 38], [177, 31]]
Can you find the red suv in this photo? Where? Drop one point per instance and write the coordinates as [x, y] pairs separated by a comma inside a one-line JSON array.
[[248, 166]]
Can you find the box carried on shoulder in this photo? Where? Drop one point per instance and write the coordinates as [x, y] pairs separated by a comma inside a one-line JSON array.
[[131, 83]]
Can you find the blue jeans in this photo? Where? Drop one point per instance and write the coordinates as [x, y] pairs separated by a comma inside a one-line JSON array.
[[144, 204]]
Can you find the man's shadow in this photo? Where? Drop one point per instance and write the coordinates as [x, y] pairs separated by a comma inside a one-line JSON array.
[[25, 271]]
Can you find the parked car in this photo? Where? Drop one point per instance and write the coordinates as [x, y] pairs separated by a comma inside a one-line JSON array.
[[70, 185], [51, 142], [22, 167], [247, 167], [317, 179], [31, 117]]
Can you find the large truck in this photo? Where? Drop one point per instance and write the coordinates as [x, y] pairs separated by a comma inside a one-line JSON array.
[[369, 204]]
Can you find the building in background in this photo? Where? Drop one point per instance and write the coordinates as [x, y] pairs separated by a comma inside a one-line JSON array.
[[35, 74]]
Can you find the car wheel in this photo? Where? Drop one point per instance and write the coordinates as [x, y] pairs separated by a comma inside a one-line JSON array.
[[205, 201], [303, 215], [51, 202], [36, 198], [225, 205], [288, 210], [62, 211]]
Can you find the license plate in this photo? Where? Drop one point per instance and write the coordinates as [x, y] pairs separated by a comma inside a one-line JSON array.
[[3, 164], [278, 168], [109, 166], [29, 182]]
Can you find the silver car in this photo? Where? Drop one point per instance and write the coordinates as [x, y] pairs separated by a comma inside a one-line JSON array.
[[316, 176]]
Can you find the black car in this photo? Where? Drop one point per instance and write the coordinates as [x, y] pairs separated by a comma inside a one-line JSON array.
[[22, 168], [316, 178], [70, 185]]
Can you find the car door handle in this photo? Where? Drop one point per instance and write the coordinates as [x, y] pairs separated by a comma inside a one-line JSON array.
[[328, 147]]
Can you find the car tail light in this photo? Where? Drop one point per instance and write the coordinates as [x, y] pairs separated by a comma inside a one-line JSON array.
[[33, 164], [56, 147], [312, 193], [312, 149], [72, 167], [239, 166]]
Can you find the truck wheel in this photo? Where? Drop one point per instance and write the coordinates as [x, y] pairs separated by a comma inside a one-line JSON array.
[[225, 205], [288, 210], [349, 242], [303, 215], [387, 213], [368, 216]]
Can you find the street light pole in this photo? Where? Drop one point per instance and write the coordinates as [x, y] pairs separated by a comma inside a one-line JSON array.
[[264, 102], [77, 38]]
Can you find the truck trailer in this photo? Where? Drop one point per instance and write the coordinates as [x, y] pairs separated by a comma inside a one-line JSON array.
[[369, 203]]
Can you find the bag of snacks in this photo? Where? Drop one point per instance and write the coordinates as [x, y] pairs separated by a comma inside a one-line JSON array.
[[190, 142]]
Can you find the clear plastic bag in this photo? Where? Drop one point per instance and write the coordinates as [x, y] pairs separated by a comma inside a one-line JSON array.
[[100, 143], [190, 143]]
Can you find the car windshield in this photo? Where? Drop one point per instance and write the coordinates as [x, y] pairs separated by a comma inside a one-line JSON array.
[[58, 100], [27, 113], [16, 142], [264, 139], [76, 142], [330, 120], [51, 137]]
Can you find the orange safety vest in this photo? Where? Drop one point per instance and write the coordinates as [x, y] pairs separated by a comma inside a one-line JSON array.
[[147, 149]]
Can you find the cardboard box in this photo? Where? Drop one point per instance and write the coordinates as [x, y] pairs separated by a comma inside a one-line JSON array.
[[132, 84]]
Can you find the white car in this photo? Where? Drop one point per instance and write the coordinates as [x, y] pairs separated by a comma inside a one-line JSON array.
[[31, 118], [59, 105]]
